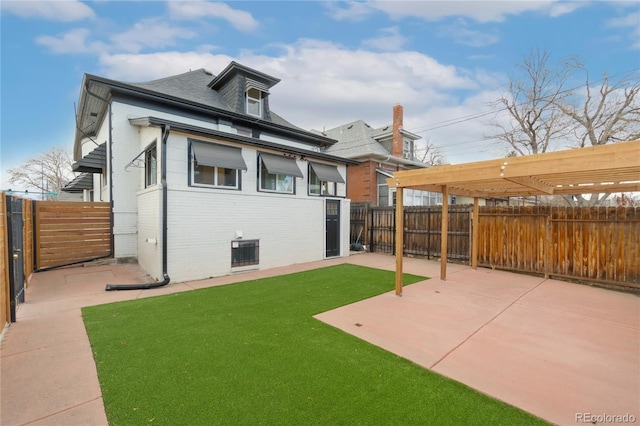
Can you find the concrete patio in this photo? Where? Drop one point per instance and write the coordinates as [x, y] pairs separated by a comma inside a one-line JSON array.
[[565, 352]]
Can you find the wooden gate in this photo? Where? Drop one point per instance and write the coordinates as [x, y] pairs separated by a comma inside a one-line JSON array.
[[71, 232]]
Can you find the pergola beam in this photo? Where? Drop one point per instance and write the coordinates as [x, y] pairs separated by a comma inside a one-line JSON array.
[[598, 169], [532, 182]]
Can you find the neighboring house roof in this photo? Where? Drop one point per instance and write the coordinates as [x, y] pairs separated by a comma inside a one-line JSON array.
[[358, 140], [196, 92]]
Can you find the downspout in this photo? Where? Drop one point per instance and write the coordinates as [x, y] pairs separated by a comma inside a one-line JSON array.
[[163, 182]]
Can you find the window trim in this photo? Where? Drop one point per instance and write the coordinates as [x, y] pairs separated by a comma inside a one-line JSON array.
[[151, 175], [258, 101], [321, 184], [192, 168], [262, 165]]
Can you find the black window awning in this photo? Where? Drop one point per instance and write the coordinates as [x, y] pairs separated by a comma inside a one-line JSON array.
[[279, 165], [214, 155], [327, 172], [93, 162], [79, 183]]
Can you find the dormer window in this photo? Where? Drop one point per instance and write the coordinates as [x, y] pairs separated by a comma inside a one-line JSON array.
[[254, 102]]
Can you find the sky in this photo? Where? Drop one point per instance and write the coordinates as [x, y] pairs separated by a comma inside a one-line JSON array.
[[443, 61]]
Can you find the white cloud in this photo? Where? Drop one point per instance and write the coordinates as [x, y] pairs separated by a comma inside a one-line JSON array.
[[462, 34], [477, 10], [54, 10], [322, 84], [240, 19], [631, 21], [151, 32], [563, 8], [72, 42], [390, 39]]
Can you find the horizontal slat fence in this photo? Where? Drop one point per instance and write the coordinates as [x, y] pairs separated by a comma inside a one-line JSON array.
[[70, 232], [598, 244]]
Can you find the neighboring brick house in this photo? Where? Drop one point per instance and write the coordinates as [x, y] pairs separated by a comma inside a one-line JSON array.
[[204, 179], [381, 152]]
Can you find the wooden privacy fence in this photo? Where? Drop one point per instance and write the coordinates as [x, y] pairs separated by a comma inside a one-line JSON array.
[[599, 244], [70, 232]]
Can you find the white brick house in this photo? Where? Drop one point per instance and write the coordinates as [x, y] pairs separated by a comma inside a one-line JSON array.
[[204, 179]]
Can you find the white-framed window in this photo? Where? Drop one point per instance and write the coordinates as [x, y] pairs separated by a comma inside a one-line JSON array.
[[407, 148], [277, 173], [214, 165], [416, 197], [324, 179], [254, 102], [151, 166]]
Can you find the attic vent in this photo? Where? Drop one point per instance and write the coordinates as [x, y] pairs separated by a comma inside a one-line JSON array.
[[252, 84], [350, 126], [367, 125], [385, 128], [208, 72]]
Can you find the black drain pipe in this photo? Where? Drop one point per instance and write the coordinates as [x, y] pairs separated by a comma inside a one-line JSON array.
[[163, 181]]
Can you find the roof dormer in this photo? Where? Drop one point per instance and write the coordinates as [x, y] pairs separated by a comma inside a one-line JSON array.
[[245, 90]]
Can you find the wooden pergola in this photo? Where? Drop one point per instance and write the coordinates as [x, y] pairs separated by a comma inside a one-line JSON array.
[[598, 169]]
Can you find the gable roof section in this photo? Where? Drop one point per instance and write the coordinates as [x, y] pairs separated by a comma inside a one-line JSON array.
[[189, 92], [234, 68], [358, 140], [354, 140], [598, 169]]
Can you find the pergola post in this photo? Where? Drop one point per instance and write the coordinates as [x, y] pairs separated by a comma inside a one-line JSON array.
[[475, 232], [399, 238], [444, 232]]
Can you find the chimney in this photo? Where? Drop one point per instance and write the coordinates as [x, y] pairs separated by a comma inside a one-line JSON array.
[[396, 144]]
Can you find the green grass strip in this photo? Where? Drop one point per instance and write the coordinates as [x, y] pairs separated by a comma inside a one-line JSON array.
[[251, 353]]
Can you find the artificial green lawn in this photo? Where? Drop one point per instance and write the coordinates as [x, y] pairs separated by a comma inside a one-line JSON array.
[[251, 353]]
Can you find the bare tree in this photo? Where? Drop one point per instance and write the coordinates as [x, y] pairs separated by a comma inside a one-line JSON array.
[[46, 173], [534, 122], [430, 154], [608, 113], [544, 112]]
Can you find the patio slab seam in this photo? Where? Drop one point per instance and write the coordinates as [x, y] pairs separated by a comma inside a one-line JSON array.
[[469, 337]]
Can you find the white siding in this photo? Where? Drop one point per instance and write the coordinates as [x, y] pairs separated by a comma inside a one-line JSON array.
[[202, 222]]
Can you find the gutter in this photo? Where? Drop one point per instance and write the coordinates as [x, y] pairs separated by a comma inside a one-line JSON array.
[[163, 182], [139, 92]]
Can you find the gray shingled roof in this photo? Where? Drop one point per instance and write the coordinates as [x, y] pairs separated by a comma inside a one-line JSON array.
[[193, 85], [355, 140]]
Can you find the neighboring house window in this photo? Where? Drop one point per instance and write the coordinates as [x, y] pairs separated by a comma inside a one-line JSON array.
[[216, 165], [254, 102], [323, 179], [416, 197], [244, 253], [151, 166], [407, 149], [383, 190], [277, 173]]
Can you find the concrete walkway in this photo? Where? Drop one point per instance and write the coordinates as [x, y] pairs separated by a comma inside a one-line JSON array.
[[561, 351]]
